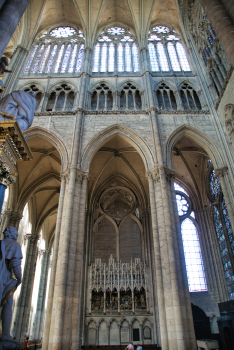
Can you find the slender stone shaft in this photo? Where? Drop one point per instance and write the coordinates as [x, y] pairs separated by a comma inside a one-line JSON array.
[[10, 15], [222, 24]]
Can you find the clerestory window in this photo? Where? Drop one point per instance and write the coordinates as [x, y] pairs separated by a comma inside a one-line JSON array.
[[192, 250], [58, 51], [116, 51], [223, 229], [166, 51]]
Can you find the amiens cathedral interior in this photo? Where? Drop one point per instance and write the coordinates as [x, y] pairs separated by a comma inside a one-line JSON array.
[[125, 212]]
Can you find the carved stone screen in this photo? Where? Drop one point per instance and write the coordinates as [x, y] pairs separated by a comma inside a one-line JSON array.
[[129, 241], [105, 241]]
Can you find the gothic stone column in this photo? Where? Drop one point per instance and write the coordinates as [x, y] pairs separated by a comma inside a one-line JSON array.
[[26, 287], [176, 312]]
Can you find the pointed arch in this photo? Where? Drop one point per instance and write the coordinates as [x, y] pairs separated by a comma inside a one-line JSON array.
[[54, 139], [197, 136], [137, 142]]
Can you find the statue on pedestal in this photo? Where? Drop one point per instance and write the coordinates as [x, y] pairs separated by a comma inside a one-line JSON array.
[[10, 279]]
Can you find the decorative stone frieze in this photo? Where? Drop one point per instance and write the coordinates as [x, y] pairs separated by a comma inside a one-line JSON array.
[[13, 147]]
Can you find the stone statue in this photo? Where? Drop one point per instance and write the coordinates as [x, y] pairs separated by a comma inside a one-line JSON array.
[[19, 105], [10, 279]]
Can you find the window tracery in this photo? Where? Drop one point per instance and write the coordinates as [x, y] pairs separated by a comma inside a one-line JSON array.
[[166, 51], [166, 98], [223, 228], [192, 250], [130, 98], [208, 45], [189, 97], [59, 51], [102, 98], [61, 98], [38, 94], [116, 51]]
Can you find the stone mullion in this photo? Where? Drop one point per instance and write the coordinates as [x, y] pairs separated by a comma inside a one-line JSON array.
[[55, 102], [78, 310], [51, 294], [62, 58], [69, 57], [158, 269], [65, 101], [25, 294], [218, 74]]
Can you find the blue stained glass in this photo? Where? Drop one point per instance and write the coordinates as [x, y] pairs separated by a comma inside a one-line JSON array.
[[214, 185], [228, 271], [43, 61], [162, 57], [173, 57], [72, 60], [228, 225]]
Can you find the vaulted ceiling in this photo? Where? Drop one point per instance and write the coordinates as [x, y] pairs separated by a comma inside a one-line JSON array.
[[92, 15]]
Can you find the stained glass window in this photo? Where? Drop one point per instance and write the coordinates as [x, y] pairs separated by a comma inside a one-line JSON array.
[[111, 59], [228, 225], [46, 58], [192, 250], [80, 58], [214, 185], [183, 58], [164, 42], [173, 57], [119, 51], [228, 270], [153, 58]]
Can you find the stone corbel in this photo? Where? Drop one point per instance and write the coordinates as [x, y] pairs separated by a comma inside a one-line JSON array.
[[154, 175], [220, 172]]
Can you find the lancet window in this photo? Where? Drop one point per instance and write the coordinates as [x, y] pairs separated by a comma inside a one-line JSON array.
[[61, 98], [102, 98], [166, 98], [192, 250], [38, 95], [189, 97], [116, 51], [130, 98], [208, 45], [58, 51], [166, 51], [223, 229]]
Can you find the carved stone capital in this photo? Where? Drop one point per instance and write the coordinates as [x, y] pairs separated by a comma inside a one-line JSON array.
[[154, 175], [221, 171]]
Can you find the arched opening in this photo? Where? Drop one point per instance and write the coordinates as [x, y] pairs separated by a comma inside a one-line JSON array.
[[117, 238]]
